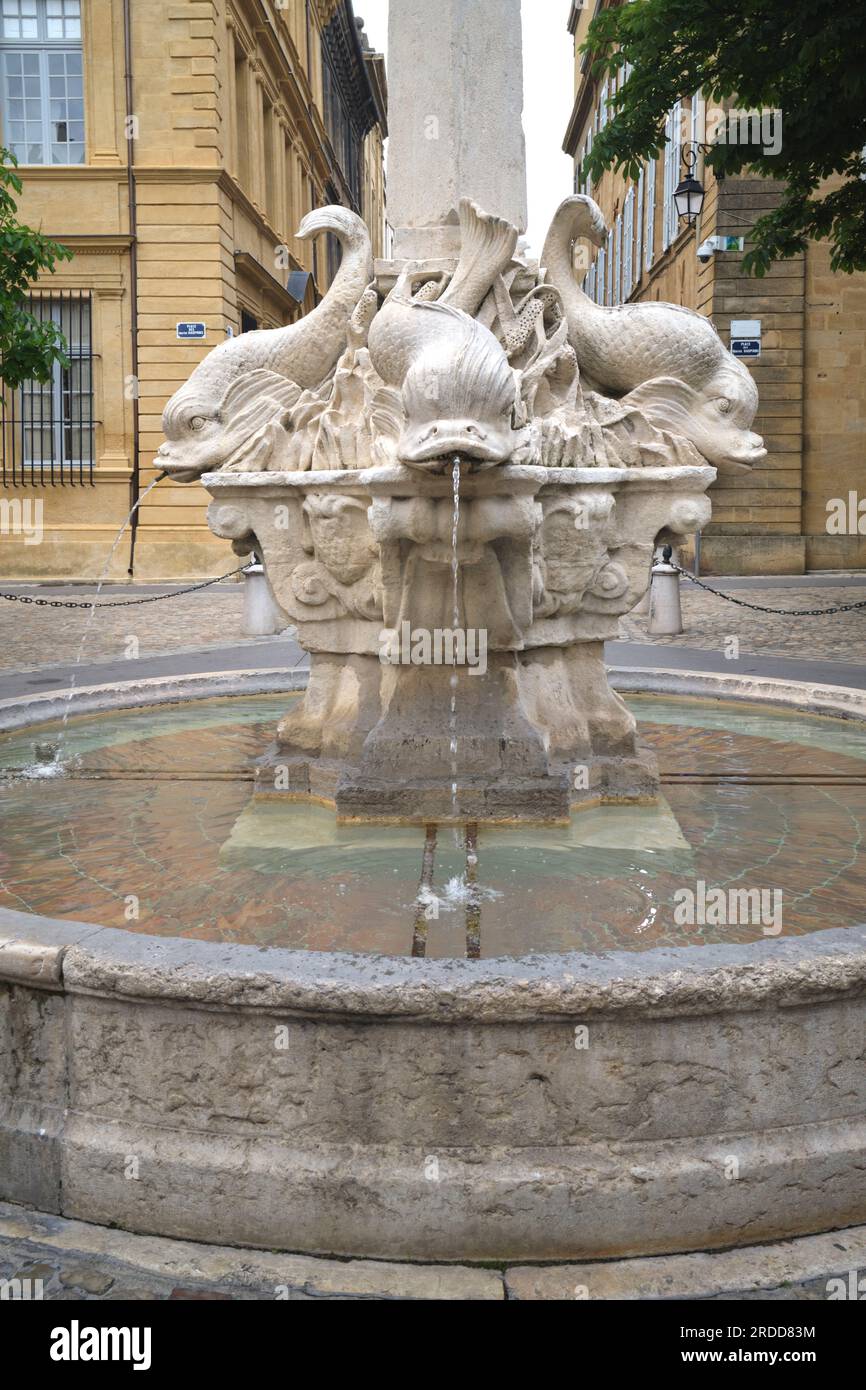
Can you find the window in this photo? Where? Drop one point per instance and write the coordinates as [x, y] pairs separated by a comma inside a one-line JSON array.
[[616, 297], [242, 116], [269, 135], [249, 322], [48, 427], [42, 81], [627, 244], [600, 282], [672, 156], [345, 134], [608, 289], [649, 239], [667, 186], [638, 226], [696, 128]]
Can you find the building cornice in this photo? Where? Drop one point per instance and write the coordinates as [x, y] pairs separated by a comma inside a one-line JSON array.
[[95, 244], [585, 95], [72, 173], [264, 280]]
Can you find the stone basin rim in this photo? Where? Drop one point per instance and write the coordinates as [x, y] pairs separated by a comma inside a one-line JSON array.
[[665, 982], [811, 698], [400, 478]]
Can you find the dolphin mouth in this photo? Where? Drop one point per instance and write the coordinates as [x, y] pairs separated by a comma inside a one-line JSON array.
[[440, 449], [746, 458], [180, 472]]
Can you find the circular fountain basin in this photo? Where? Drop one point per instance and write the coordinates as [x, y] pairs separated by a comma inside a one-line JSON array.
[[228, 1020]]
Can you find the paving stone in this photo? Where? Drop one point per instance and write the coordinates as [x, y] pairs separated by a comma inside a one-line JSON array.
[[88, 1261], [87, 1278], [49, 637], [34, 637], [709, 622]]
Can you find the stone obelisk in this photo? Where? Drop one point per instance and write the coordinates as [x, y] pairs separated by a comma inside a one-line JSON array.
[[455, 107]]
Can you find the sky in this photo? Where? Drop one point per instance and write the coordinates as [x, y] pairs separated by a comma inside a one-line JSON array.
[[548, 86]]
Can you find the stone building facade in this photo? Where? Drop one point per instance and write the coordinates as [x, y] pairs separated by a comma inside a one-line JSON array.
[[174, 146], [784, 516]]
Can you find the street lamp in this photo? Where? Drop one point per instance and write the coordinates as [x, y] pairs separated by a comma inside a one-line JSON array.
[[689, 192], [689, 199]]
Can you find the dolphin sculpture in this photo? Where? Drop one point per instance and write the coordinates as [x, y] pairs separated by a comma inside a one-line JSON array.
[[208, 418], [459, 394], [667, 361]]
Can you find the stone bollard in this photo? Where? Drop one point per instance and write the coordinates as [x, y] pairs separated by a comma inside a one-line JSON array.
[[261, 617], [665, 613]]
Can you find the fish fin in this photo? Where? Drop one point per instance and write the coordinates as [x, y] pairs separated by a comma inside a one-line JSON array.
[[664, 396], [255, 384]]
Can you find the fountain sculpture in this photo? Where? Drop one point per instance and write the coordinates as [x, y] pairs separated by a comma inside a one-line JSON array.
[[571, 438], [456, 470]]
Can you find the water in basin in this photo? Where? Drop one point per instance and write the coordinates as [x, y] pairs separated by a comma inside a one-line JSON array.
[[151, 827]]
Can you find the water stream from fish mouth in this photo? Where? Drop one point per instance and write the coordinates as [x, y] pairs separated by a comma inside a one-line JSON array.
[[455, 624], [45, 767]]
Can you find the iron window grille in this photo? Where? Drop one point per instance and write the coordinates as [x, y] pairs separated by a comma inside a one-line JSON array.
[[48, 428]]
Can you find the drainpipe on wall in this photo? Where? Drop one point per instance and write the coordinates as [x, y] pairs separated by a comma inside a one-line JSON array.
[[135, 480]]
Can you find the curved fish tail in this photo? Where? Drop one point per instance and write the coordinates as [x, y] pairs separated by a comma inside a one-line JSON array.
[[487, 246]]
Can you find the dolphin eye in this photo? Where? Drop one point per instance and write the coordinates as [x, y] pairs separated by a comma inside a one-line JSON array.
[[724, 405], [197, 422]]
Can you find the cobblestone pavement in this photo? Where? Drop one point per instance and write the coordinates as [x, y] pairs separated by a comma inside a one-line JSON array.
[[85, 1278], [710, 621], [88, 1278], [33, 638], [61, 1260]]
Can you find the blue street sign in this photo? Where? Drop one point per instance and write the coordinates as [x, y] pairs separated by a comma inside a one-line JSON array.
[[746, 347], [191, 330]]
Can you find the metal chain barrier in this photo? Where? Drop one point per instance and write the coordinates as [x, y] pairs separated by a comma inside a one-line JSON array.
[[122, 603], [757, 608]]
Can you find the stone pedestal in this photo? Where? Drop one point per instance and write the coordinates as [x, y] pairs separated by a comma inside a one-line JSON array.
[[505, 714]]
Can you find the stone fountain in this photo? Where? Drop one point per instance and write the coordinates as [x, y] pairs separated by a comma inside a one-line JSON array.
[[456, 471]]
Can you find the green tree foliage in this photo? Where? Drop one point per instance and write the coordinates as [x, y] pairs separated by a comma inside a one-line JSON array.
[[28, 349], [804, 58]]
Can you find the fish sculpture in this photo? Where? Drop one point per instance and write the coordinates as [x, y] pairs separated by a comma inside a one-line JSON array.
[[460, 396], [208, 419], [666, 361]]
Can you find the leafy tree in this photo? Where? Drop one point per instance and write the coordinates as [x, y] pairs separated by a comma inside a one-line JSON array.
[[805, 58], [28, 348]]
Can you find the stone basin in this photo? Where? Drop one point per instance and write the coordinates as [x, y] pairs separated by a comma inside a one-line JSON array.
[[543, 1106]]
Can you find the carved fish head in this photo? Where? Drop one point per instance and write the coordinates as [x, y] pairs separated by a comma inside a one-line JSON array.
[[715, 419], [460, 397], [202, 435]]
